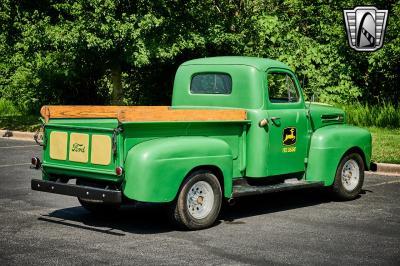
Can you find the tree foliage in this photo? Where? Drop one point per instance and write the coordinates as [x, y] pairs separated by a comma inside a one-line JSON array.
[[126, 51]]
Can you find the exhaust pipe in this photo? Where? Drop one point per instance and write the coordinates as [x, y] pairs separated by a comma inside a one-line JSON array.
[[231, 201]]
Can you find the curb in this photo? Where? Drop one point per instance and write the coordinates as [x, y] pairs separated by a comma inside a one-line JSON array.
[[17, 135], [387, 169]]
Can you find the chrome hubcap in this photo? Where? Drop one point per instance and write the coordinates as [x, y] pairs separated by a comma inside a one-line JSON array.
[[350, 175], [200, 200]]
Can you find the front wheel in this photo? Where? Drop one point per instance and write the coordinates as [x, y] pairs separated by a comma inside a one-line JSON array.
[[349, 177], [199, 201]]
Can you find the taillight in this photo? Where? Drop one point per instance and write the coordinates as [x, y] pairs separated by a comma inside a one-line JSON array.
[[119, 170], [35, 163]]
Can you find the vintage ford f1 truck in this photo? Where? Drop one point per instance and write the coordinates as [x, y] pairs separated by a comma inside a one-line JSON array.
[[237, 126]]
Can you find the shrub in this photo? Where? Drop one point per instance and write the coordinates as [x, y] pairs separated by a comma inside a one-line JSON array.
[[7, 108], [381, 115]]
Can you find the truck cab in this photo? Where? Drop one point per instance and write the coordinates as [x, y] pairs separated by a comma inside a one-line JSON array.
[[237, 126]]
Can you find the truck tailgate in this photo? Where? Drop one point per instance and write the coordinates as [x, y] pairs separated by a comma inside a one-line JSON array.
[[81, 148]]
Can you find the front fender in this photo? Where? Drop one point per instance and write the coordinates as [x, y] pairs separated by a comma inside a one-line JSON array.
[[329, 144], [155, 169]]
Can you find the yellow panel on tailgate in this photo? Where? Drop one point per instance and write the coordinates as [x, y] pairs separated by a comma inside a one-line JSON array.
[[101, 149], [78, 147], [58, 145]]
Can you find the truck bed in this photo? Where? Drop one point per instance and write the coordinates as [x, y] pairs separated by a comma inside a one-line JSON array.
[[91, 141]]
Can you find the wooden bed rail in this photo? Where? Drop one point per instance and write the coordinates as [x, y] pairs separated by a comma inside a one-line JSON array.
[[141, 113]]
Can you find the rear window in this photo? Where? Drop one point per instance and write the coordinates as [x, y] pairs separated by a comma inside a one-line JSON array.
[[211, 83]]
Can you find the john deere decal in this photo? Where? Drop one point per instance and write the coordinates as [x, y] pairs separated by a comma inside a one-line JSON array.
[[289, 136]]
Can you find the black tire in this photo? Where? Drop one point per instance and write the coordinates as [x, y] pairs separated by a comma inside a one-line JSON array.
[[96, 206], [179, 210], [339, 188]]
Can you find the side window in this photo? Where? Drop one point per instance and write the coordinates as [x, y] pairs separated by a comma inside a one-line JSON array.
[[281, 88], [211, 83]]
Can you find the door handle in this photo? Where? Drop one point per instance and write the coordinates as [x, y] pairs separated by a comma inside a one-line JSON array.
[[263, 122], [276, 120]]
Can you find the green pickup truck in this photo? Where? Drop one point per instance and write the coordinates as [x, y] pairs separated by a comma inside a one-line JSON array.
[[237, 126]]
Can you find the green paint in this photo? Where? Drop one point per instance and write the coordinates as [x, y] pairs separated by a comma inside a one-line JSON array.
[[329, 144], [300, 138], [70, 168], [156, 168]]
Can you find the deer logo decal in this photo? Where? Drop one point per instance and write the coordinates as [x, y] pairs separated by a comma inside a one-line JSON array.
[[289, 136]]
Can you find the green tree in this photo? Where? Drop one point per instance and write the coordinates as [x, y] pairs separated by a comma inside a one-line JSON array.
[[126, 52]]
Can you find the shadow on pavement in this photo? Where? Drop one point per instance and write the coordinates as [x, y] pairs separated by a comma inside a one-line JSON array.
[[153, 219], [272, 203], [137, 219], [277, 202]]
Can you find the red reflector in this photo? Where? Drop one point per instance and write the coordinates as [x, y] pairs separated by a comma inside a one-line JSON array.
[[119, 171], [35, 161]]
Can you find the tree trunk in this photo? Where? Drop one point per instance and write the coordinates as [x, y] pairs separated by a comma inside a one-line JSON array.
[[117, 92]]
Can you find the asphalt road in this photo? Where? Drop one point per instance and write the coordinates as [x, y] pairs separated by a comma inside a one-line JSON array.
[[300, 228]]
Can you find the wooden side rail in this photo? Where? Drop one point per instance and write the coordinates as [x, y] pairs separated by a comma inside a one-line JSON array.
[[140, 113], [181, 115]]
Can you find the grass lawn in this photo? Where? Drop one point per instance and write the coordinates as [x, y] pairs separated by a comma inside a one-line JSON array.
[[20, 122], [385, 145], [385, 142]]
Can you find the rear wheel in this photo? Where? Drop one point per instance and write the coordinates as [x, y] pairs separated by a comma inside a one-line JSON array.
[[349, 177], [96, 206], [199, 201]]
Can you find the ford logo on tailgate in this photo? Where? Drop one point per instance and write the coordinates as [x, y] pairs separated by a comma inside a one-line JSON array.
[[76, 147]]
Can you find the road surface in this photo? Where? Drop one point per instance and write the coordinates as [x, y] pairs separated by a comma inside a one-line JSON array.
[[300, 228]]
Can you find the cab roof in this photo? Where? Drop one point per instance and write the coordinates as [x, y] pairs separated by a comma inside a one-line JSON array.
[[256, 62]]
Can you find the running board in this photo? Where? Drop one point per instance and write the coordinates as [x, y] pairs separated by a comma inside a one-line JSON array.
[[241, 190]]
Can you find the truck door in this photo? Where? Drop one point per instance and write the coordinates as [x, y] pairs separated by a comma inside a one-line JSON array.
[[288, 123]]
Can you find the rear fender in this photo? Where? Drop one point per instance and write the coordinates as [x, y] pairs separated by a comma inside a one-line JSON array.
[[155, 169], [329, 144]]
